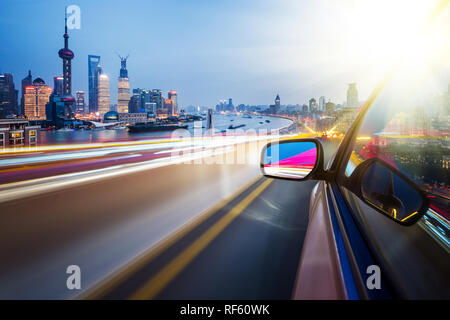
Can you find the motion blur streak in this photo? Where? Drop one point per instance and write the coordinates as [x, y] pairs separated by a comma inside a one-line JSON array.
[[81, 178]]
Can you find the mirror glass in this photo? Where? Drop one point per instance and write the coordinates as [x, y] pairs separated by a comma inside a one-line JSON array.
[[389, 192], [291, 159]]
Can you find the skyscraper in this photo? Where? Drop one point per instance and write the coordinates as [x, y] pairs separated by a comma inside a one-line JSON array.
[[156, 97], [135, 101], [58, 85], [230, 106], [277, 103], [104, 100], [35, 99], [27, 81], [93, 74], [173, 95], [322, 103], [8, 95], [312, 105], [169, 106], [123, 96], [352, 95]]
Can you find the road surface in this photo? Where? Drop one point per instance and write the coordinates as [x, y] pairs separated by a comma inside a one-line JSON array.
[[183, 229]]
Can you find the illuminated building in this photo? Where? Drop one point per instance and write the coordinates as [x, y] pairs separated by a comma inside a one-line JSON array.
[[17, 132], [8, 95], [352, 95], [156, 97], [169, 106], [135, 102], [93, 74], [104, 101], [58, 85], [173, 95], [142, 101], [36, 97], [123, 96], [67, 55]]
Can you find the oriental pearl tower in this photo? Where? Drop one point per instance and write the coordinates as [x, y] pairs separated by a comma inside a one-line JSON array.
[[67, 55]]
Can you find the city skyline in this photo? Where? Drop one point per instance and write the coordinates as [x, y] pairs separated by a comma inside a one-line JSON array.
[[216, 69]]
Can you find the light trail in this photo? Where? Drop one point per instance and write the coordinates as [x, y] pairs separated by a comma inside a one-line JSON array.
[[109, 149], [63, 181]]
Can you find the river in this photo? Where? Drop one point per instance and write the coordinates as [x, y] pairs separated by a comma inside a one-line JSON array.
[[220, 122]]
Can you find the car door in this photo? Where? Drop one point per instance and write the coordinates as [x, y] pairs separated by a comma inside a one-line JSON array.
[[404, 123]]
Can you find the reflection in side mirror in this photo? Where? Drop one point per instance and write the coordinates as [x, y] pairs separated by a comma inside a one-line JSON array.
[[391, 192], [290, 159]]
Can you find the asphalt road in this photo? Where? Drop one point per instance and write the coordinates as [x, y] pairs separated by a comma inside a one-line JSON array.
[[254, 256], [181, 230]]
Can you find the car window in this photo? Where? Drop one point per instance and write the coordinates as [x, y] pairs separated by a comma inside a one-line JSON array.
[[408, 127]]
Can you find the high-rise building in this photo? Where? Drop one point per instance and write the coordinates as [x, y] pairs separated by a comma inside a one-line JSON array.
[[104, 100], [93, 74], [277, 102], [322, 103], [135, 101], [173, 95], [156, 97], [58, 85], [35, 99], [352, 95], [150, 107], [26, 82], [80, 102], [230, 106], [123, 96], [169, 106], [312, 105], [8, 95]]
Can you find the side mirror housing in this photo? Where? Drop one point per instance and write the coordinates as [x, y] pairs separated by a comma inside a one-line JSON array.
[[388, 191], [297, 159]]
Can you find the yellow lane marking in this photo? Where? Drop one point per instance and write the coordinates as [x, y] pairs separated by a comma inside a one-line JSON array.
[[154, 286], [132, 267]]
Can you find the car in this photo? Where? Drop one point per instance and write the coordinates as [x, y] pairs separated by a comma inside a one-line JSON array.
[[379, 222]]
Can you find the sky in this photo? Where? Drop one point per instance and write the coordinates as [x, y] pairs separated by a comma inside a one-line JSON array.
[[209, 50]]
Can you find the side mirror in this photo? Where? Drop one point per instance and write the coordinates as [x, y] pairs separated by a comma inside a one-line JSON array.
[[298, 159], [389, 191]]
